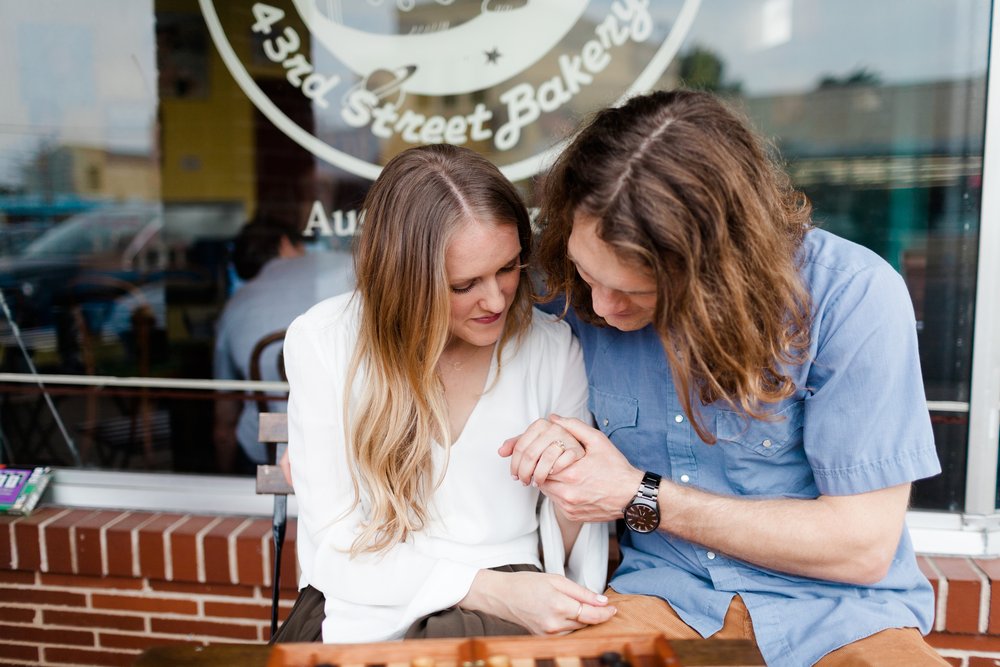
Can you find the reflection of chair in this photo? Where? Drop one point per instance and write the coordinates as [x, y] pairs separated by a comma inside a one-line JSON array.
[[275, 337], [273, 432], [84, 342]]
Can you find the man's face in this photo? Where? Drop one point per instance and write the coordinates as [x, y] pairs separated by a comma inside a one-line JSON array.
[[623, 294]]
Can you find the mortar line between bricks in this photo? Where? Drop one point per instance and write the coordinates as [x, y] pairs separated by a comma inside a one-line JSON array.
[[199, 548], [14, 558], [265, 557], [134, 543], [74, 560], [168, 558], [942, 596], [103, 541], [43, 547], [966, 653], [234, 570], [984, 598]]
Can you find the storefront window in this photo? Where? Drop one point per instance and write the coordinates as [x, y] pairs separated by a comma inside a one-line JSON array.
[[138, 138]]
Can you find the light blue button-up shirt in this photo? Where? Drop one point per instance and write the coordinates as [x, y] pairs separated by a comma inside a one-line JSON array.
[[858, 422]]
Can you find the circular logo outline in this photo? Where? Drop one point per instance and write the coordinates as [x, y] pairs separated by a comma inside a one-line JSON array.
[[516, 171]]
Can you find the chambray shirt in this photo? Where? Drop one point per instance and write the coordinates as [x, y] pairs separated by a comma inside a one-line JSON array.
[[858, 422]]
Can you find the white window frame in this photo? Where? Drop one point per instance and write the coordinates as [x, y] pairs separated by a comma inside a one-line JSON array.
[[976, 532]]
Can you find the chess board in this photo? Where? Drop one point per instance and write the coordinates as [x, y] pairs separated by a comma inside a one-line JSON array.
[[640, 650]]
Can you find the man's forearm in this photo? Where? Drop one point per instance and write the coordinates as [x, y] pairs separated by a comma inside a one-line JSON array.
[[849, 538]]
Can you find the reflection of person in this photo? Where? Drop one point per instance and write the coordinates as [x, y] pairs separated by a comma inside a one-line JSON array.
[[398, 394], [282, 282], [766, 370]]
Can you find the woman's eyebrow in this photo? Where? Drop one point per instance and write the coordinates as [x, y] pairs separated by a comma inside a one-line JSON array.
[[512, 260]]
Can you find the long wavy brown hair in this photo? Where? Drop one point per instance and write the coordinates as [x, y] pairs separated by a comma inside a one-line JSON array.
[[681, 187], [422, 197]]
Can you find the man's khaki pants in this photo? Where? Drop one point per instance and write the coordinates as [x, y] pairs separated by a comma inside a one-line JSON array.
[[898, 647]]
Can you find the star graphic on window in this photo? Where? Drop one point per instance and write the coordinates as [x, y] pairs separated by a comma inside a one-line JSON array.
[[492, 56]]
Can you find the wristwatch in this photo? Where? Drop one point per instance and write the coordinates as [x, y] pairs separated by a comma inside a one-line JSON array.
[[642, 515]]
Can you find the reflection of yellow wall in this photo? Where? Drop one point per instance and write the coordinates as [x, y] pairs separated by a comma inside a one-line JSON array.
[[96, 172], [207, 139]]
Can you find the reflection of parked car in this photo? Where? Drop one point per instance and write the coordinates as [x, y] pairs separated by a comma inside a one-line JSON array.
[[93, 258]]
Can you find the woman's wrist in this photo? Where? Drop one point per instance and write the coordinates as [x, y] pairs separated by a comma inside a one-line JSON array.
[[481, 595]]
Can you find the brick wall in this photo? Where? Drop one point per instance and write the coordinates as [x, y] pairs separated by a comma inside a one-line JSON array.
[[83, 587], [95, 587]]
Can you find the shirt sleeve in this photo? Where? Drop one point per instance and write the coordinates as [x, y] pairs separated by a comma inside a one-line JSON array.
[[588, 561], [866, 424], [375, 596], [222, 362]]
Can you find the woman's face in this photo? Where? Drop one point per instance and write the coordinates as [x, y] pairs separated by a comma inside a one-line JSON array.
[[483, 268]]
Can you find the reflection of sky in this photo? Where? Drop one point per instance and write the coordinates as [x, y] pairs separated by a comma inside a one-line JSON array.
[[80, 72], [903, 42], [75, 72]]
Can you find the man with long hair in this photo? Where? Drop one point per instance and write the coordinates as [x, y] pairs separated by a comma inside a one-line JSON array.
[[756, 386]]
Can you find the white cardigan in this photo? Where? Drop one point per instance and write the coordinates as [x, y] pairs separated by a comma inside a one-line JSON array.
[[479, 516]]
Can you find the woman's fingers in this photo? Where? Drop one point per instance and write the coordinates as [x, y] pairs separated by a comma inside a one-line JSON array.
[[566, 459], [522, 456], [543, 449], [541, 454], [557, 457], [591, 615]]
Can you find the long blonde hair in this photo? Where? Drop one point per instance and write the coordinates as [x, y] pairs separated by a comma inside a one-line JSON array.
[[421, 198], [681, 186]]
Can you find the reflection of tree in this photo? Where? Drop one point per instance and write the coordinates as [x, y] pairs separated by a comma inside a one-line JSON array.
[[862, 76], [703, 69]]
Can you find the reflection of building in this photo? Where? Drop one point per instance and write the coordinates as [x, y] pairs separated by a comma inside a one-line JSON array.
[[93, 172], [898, 169]]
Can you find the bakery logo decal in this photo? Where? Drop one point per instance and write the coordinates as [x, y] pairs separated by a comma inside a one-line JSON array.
[[497, 68]]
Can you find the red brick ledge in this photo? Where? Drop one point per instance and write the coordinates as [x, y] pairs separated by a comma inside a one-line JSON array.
[[97, 586], [161, 546]]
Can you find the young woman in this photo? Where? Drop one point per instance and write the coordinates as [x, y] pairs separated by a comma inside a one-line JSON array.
[[401, 393]]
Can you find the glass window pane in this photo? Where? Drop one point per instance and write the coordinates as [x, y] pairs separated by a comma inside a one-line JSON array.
[[137, 138]]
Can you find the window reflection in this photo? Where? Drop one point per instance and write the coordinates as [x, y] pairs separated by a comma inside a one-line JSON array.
[[133, 148]]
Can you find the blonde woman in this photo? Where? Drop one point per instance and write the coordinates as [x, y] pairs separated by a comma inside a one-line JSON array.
[[402, 392]]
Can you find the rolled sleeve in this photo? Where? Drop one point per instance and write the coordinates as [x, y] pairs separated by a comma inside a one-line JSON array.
[[866, 420]]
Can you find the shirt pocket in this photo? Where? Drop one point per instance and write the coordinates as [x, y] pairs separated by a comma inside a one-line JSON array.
[[612, 411], [765, 457]]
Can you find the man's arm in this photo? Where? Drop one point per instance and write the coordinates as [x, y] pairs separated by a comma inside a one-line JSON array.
[[850, 538]]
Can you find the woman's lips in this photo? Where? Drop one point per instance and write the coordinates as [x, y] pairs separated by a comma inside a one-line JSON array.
[[487, 320]]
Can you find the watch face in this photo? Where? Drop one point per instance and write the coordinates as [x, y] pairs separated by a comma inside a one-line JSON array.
[[641, 518]]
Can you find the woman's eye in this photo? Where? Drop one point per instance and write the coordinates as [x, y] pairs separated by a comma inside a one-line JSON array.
[[513, 266], [462, 289]]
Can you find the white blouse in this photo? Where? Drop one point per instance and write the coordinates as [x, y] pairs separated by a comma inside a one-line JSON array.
[[478, 516]]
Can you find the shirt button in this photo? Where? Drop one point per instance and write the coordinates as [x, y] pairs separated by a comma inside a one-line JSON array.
[[678, 418], [767, 444], [685, 479], [605, 422], [711, 555]]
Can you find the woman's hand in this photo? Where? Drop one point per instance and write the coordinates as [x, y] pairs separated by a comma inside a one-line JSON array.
[[545, 604], [544, 449], [596, 487]]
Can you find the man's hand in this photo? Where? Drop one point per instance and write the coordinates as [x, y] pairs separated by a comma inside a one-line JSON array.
[[596, 487]]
